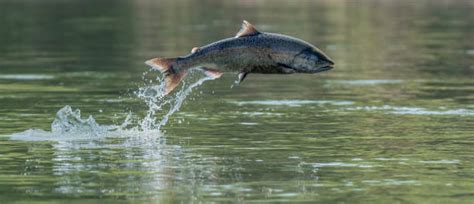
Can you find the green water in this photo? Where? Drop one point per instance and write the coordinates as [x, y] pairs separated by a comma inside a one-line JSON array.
[[392, 123]]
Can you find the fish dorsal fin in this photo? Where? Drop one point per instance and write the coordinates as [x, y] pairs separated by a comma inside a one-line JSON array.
[[247, 30], [195, 49]]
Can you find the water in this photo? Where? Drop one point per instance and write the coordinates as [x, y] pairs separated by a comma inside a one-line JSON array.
[[82, 118]]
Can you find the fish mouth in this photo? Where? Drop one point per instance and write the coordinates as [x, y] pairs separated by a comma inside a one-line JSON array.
[[324, 68]]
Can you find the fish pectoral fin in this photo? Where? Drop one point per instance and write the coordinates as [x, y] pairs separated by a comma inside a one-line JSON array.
[[247, 30], [286, 69], [241, 77], [213, 73]]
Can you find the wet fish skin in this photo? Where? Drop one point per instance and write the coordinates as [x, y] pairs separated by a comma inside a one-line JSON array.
[[250, 51], [261, 53]]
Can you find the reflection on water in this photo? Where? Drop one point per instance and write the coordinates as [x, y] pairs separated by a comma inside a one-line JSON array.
[[393, 122]]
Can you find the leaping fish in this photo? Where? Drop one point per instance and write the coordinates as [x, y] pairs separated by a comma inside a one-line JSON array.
[[250, 51]]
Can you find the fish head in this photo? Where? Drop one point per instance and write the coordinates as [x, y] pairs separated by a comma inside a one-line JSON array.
[[311, 60]]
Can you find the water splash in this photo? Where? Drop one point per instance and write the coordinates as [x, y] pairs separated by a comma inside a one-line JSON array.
[[155, 99], [69, 124], [136, 145], [69, 121]]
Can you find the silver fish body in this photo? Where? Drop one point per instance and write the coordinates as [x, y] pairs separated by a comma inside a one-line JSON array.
[[260, 53], [250, 51]]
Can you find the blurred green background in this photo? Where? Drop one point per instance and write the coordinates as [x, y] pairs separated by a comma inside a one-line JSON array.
[[392, 123]]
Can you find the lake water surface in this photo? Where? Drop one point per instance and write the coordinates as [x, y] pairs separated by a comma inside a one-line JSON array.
[[81, 120]]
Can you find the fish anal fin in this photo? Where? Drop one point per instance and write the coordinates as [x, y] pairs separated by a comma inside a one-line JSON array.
[[247, 30], [195, 49], [213, 73], [173, 80]]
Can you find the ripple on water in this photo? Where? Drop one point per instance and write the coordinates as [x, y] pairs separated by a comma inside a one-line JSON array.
[[422, 111], [247, 123], [341, 164], [470, 52], [367, 82], [26, 77], [42, 135], [293, 103], [261, 114], [391, 182], [443, 161], [117, 100], [414, 110]]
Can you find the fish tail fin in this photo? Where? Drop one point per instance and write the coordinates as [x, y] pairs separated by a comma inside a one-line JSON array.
[[172, 76]]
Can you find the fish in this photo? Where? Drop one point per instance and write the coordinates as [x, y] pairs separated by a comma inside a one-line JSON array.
[[250, 51]]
